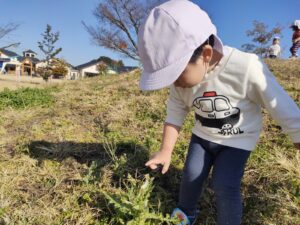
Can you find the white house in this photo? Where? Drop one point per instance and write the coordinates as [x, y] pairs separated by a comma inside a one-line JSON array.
[[29, 53], [12, 63], [73, 74], [8, 61], [90, 69]]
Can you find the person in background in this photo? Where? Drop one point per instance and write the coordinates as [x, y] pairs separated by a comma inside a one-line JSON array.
[[295, 39], [274, 50]]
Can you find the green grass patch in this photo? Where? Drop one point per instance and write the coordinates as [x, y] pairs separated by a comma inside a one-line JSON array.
[[26, 97]]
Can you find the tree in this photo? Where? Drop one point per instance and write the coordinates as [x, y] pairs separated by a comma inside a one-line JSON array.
[[59, 67], [102, 68], [44, 72], [118, 24], [261, 37], [5, 30], [116, 65], [48, 48], [106, 60]]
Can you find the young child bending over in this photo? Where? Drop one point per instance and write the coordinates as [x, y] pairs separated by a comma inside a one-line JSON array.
[[178, 47]]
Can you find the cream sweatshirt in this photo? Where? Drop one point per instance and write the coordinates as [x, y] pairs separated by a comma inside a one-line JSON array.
[[227, 103]]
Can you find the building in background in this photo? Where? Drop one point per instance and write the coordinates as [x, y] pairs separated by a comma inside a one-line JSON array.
[[13, 64], [91, 68]]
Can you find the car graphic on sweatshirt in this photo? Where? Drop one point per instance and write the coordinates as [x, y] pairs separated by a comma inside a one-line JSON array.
[[216, 111]]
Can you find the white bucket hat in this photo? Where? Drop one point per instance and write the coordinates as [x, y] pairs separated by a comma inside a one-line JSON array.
[[168, 39], [296, 23]]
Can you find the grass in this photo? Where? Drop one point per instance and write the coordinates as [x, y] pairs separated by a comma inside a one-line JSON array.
[[26, 97], [80, 159]]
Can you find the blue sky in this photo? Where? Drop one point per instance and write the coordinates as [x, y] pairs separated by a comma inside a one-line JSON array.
[[232, 18]]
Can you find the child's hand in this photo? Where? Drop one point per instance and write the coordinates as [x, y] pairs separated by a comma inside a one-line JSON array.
[[160, 158], [297, 145], [296, 40]]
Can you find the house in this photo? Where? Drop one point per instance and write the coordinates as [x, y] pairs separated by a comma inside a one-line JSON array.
[[8, 61], [29, 53], [14, 64], [90, 68], [28, 63], [72, 74]]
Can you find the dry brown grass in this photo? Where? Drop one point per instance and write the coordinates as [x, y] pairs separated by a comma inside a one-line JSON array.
[[16, 85], [54, 161]]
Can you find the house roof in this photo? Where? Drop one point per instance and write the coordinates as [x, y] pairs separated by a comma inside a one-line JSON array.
[[29, 51], [34, 60], [96, 61], [8, 53], [88, 64]]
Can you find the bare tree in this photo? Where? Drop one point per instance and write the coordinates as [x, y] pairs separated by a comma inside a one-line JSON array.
[[261, 36], [5, 30], [47, 46], [118, 24]]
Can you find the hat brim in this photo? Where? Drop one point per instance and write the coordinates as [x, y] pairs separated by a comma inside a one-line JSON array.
[[168, 75]]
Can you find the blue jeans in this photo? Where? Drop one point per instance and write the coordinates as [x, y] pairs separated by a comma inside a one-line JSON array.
[[228, 168]]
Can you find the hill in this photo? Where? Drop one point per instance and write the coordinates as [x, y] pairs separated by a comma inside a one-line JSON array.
[[74, 153]]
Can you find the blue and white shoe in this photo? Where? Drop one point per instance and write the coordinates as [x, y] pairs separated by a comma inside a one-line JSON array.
[[183, 218]]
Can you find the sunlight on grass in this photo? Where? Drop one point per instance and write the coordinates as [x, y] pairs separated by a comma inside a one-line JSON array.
[[75, 154]]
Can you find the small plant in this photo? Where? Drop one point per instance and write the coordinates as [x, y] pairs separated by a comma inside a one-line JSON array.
[[90, 176], [132, 205], [118, 163]]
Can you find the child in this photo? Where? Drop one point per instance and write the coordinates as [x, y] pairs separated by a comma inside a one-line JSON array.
[[295, 38], [178, 46], [274, 50]]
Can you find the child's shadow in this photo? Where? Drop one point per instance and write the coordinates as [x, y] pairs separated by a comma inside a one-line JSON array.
[[84, 153]]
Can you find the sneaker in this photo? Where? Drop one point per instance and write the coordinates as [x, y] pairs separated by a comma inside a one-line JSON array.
[[293, 56], [183, 218]]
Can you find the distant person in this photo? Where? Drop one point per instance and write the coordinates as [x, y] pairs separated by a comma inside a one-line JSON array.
[[225, 87], [274, 50], [295, 38]]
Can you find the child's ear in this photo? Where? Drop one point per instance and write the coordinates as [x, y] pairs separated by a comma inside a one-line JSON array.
[[207, 53]]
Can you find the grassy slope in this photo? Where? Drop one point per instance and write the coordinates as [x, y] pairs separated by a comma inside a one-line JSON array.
[[57, 162]]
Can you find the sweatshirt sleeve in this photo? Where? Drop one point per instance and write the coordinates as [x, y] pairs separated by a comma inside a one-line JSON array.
[[263, 89], [176, 108]]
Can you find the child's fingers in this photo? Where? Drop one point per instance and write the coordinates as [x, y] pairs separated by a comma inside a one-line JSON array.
[[153, 166], [152, 161], [165, 168], [149, 162]]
